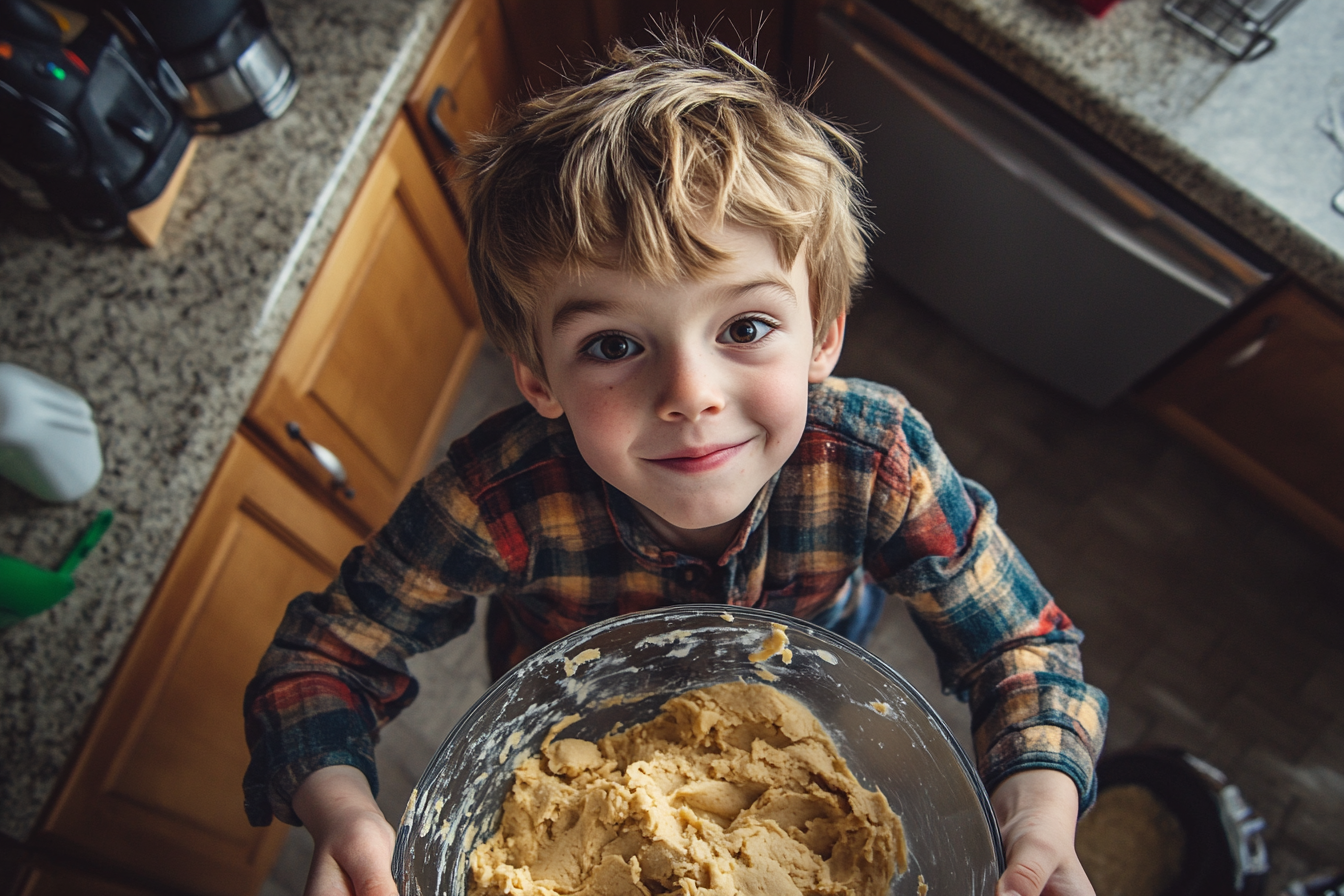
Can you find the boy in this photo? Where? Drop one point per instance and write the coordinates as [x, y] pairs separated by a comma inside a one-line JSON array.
[[667, 251]]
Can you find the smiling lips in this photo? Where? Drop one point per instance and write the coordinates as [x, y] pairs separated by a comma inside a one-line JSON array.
[[699, 460]]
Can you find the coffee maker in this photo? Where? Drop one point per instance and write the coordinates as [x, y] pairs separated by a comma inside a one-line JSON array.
[[222, 62], [99, 101]]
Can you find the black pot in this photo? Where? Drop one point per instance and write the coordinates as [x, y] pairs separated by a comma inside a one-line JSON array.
[[1224, 851]]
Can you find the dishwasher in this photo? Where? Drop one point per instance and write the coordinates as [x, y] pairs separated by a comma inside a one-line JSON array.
[[1030, 234]]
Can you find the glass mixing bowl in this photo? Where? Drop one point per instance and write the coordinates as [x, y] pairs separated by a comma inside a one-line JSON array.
[[889, 735]]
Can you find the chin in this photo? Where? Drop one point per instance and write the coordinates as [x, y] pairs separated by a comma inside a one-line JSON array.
[[699, 516]]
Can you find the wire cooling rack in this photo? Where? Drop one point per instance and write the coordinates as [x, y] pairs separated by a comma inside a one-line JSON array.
[[1240, 28]]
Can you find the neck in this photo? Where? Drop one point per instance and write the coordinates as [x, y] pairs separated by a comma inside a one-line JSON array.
[[707, 544]]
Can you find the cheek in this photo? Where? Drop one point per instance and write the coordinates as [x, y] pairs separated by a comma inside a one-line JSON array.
[[603, 405], [604, 422], [779, 403]]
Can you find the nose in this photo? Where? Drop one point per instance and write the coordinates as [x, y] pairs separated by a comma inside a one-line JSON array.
[[689, 388]]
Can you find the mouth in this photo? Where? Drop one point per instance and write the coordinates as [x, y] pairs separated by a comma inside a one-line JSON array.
[[699, 459]]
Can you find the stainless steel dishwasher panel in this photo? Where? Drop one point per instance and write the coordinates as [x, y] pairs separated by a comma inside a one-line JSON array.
[[1034, 248]]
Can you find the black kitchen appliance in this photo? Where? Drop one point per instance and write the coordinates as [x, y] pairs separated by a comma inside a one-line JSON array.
[[99, 101], [85, 126], [222, 61]]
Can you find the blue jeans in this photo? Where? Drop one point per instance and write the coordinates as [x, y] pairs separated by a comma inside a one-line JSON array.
[[855, 616]]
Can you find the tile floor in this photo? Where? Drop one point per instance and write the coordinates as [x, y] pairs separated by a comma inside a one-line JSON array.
[[1214, 622]]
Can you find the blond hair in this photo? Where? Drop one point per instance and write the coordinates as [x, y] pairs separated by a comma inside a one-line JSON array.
[[629, 165]]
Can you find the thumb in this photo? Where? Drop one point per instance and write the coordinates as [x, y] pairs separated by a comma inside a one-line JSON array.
[[1031, 861], [357, 864], [1035, 868], [1027, 873]]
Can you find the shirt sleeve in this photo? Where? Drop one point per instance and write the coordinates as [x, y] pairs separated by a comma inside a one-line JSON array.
[[1000, 640], [336, 670]]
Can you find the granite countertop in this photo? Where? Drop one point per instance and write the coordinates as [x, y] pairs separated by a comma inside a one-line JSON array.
[[169, 344]]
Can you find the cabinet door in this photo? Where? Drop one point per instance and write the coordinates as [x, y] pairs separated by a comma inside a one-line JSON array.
[[376, 354], [47, 880], [551, 39], [1266, 398], [470, 73], [155, 791], [759, 24]]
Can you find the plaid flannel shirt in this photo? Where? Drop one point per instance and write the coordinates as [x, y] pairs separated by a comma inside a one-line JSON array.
[[514, 514]]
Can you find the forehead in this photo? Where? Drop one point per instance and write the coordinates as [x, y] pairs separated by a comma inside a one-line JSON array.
[[751, 261]]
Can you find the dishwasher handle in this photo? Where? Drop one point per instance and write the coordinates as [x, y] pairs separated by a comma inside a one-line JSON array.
[[1241, 278]]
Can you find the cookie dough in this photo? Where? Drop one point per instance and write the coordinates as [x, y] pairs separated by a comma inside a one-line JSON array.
[[733, 789]]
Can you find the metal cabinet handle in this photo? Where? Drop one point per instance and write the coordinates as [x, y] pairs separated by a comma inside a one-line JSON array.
[[436, 124], [1255, 346], [325, 457]]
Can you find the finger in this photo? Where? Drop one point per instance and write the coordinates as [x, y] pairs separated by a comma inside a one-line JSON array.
[[373, 881], [325, 878], [368, 864]]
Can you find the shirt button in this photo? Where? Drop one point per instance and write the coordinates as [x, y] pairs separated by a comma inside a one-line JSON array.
[[690, 574]]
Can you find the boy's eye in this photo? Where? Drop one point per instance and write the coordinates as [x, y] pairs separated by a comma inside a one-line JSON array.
[[746, 330], [612, 347]]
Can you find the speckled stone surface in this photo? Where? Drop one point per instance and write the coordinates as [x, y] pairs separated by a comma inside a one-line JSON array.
[[168, 346], [1240, 139]]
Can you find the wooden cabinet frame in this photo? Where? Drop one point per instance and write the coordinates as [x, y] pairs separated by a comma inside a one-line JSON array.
[[344, 338], [1265, 398], [144, 792]]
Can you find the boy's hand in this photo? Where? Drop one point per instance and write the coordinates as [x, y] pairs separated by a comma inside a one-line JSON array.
[[353, 854], [1038, 814]]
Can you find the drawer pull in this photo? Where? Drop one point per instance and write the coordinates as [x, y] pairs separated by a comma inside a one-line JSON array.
[[1254, 347], [436, 124], [325, 457]]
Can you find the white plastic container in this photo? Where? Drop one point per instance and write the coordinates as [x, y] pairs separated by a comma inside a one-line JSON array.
[[48, 439]]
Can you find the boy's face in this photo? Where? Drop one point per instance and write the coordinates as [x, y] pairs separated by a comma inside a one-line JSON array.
[[687, 396]]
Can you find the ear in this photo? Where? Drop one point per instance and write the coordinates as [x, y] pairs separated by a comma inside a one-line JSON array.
[[535, 390], [827, 351]]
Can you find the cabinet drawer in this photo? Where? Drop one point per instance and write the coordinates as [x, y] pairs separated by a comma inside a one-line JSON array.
[[156, 788], [376, 354]]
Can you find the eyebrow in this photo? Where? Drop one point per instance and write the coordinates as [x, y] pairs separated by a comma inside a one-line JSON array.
[[577, 307], [768, 281]]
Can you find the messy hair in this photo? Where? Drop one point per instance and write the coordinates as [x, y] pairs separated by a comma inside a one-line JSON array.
[[628, 166]]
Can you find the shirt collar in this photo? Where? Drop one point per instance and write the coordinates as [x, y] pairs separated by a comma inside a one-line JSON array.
[[636, 536]]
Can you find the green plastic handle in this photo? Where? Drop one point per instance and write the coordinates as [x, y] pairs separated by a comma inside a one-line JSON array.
[[87, 542], [26, 590]]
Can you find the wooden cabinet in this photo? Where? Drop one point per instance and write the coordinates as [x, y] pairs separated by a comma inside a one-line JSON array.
[[376, 354], [469, 75], [1266, 399], [365, 378], [764, 26], [155, 791], [50, 880]]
